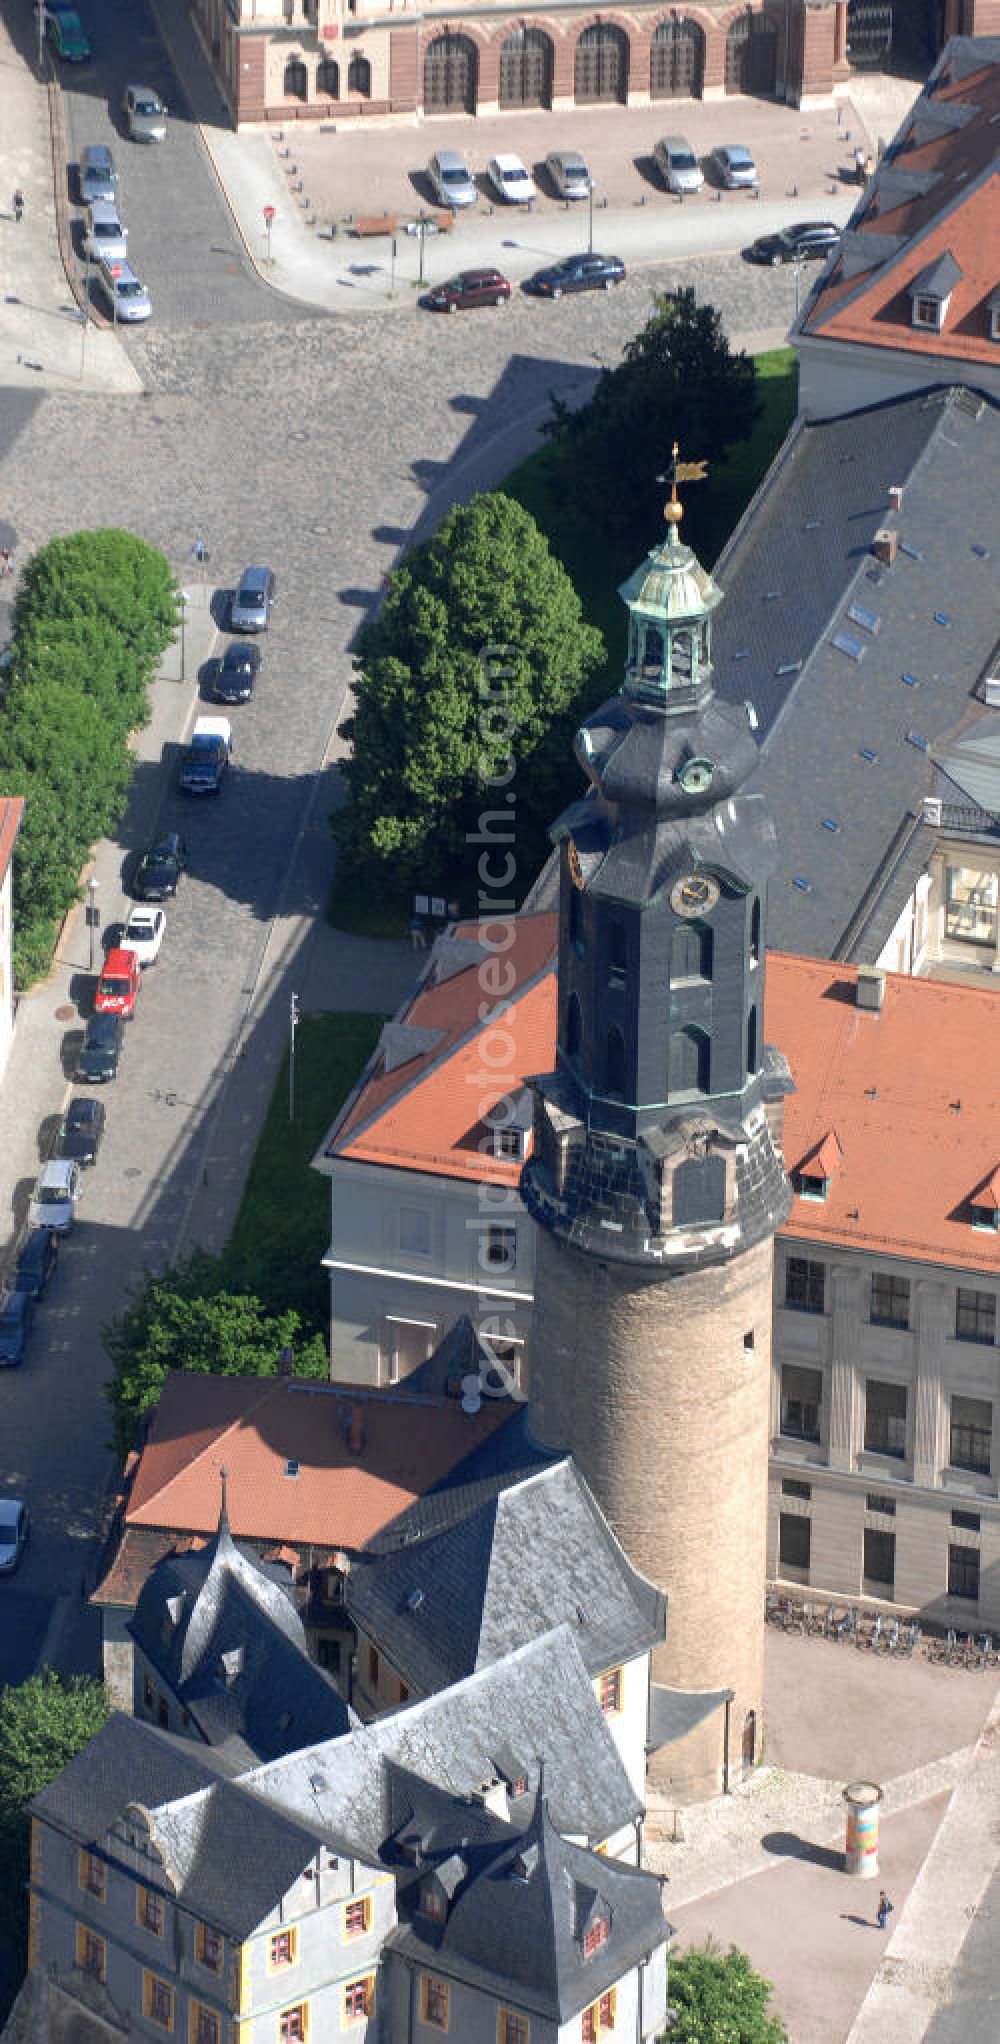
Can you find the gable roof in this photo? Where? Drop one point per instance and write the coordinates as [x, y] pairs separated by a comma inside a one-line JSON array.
[[426, 1110], [934, 200], [535, 1554]]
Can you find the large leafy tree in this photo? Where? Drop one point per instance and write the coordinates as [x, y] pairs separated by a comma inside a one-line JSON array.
[[678, 380], [186, 1319], [436, 724], [43, 1723], [719, 1999]]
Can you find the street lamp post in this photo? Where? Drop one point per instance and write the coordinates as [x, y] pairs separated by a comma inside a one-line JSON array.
[[200, 552], [422, 232], [590, 228], [182, 602], [293, 1021], [93, 912], [40, 17]]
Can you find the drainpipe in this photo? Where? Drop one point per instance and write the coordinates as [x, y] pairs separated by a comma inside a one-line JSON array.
[[725, 1746], [413, 1998]]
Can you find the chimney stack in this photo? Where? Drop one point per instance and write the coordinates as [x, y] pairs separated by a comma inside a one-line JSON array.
[[884, 545], [895, 496], [871, 989]]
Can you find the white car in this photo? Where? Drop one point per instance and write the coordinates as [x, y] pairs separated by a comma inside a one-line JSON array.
[[53, 1202], [734, 167], [105, 239], [144, 933], [510, 180], [569, 173]]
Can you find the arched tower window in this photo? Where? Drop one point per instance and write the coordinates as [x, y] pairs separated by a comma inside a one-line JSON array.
[[574, 1026], [617, 954], [576, 921], [755, 931], [615, 1074], [752, 1040], [296, 79], [682, 658], [689, 1061], [652, 652], [328, 77], [359, 76], [691, 952]]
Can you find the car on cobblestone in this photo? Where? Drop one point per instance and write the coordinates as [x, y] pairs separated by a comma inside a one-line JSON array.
[[101, 1051], [510, 180], [117, 989], [15, 1527], [145, 114], [250, 610], [124, 293], [468, 288], [66, 34], [36, 1261], [452, 183], [678, 165], [590, 272], [96, 174], [807, 241], [569, 174], [82, 1128], [734, 167], [17, 1312], [53, 1202], [143, 934], [104, 237], [231, 679], [160, 868]]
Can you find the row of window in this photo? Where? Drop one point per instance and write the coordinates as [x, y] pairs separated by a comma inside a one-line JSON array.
[[879, 1557], [889, 1303], [689, 1054], [970, 1440], [296, 78], [150, 1915], [497, 1239], [205, 2025]]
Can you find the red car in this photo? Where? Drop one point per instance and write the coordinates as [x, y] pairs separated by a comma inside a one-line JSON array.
[[469, 287], [118, 986]]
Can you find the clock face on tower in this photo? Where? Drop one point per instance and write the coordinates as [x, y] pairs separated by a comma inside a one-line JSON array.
[[694, 894]]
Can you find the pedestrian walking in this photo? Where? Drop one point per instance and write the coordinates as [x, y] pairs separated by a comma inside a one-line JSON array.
[[884, 1909], [6, 561], [18, 203]]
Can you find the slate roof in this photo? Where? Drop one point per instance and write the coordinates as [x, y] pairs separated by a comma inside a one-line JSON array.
[[428, 1111], [850, 734], [519, 1912], [538, 1703], [935, 195], [536, 1554], [126, 1760]]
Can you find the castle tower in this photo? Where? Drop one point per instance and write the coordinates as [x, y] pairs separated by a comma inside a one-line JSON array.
[[656, 1177]]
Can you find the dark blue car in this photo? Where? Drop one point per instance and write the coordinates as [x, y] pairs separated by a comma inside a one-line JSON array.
[[577, 273], [36, 1261], [16, 1316]]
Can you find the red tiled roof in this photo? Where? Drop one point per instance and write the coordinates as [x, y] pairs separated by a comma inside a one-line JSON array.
[[11, 812], [958, 214], [429, 1114], [822, 1160]]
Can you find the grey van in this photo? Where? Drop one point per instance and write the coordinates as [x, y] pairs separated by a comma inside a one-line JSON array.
[[97, 173], [251, 606]]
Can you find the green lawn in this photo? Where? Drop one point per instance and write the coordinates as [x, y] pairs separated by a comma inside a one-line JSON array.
[[282, 1229]]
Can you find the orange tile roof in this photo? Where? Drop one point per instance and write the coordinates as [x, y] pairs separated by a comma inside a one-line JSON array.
[[254, 1427], [11, 812], [428, 1115], [913, 1093], [958, 214]]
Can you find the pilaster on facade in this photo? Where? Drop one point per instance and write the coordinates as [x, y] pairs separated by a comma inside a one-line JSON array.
[[928, 1455], [846, 1433]]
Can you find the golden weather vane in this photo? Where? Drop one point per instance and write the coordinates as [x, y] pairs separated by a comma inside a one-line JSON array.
[[680, 472]]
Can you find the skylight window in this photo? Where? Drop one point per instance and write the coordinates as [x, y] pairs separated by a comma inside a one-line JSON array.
[[804, 886], [845, 642], [867, 619], [830, 823], [870, 757], [941, 618], [913, 552], [914, 738], [910, 680]]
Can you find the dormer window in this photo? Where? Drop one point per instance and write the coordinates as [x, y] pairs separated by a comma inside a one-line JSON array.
[[811, 1187], [930, 293], [986, 1217], [509, 1143], [984, 1203], [928, 312], [812, 1179], [595, 1935], [993, 312], [432, 1902]]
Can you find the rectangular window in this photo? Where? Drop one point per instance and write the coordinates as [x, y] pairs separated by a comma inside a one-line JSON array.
[[890, 1303], [435, 2002], [971, 1434], [975, 1316], [91, 1953], [595, 1936], [588, 2025], [208, 1948], [283, 1950], [158, 2000], [204, 2027], [432, 1901], [509, 1142], [92, 1876], [927, 312], [147, 1692], [885, 1418], [966, 1522], [810, 1187], [963, 1573], [373, 1667], [792, 1488], [801, 1402], [880, 1558], [293, 2024], [794, 1537], [499, 1250], [414, 1231], [149, 1911], [610, 1692], [805, 1285], [511, 2029], [606, 2010], [359, 1998], [877, 1501], [358, 1917]]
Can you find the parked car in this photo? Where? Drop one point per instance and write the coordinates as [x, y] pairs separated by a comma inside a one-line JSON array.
[[15, 1527], [124, 292], [677, 164], [468, 288], [145, 113], [569, 173], [117, 988], [510, 180], [143, 934], [207, 757], [66, 34], [231, 679], [807, 241], [104, 237], [53, 1202], [101, 1052], [160, 868], [577, 273], [83, 1126], [250, 610], [17, 1312], [734, 167], [97, 176], [453, 186], [36, 1261]]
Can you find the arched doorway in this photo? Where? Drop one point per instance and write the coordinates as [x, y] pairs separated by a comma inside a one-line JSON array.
[[752, 55], [602, 64], [296, 79], [677, 60], [750, 1739], [450, 75], [526, 68]]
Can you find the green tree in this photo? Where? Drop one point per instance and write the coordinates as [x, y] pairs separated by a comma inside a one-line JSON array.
[[109, 576], [186, 1319], [719, 1999], [43, 1723], [429, 734], [678, 380]]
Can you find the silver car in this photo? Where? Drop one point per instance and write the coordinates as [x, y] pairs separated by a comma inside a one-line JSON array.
[[678, 165], [104, 236], [127, 297], [14, 1529], [569, 173], [53, 1202], [97, 175], [251, 605], [452, 184], [734, 167], [145, 113]]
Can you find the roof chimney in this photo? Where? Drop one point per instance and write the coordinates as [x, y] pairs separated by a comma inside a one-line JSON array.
[[871, 989], [884, 545], [356, 1430], [895, 496]]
